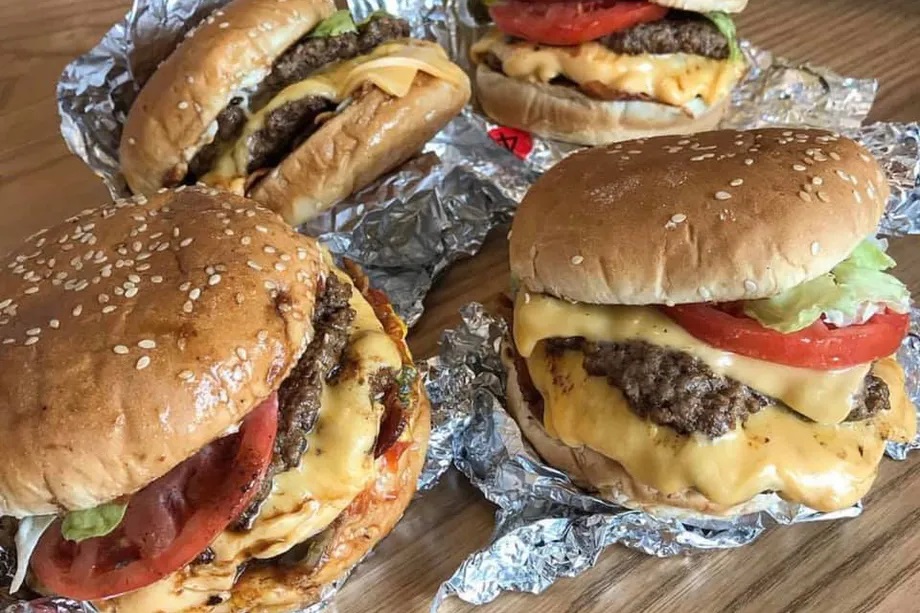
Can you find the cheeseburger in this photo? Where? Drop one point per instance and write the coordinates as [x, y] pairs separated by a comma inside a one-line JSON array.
[[703, 321], [291, 103], [200, 412], [594, 72]]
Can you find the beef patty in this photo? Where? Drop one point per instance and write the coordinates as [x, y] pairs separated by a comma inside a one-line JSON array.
[[678, 32], [675, 389], [304, 57], [299, 394]]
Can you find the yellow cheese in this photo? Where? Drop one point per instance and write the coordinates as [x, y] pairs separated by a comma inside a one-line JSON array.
[[825, 396], [337, 466], [391, 67], [824, 467], [675, 79]]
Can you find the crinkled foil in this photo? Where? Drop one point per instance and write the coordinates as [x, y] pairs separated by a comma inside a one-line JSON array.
[[547, 527], [410, 226]]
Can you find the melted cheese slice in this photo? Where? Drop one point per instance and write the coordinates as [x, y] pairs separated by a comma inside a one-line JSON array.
[[675, 79], [337, 466], [391, 67], [824, 467], [825, 396]]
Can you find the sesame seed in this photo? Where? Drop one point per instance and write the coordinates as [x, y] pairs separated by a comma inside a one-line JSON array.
[[186, 242], [750, 285], [280, 267], [577, 259], [121, 349], [224, 25], [835, 156], [269, 285], [268, 249], [815, 248], [241, 353], [842, 175], [6, 303], [253, 265], [33, 331], [31, 290], [823, 197], [109, 309], [214, 279], [798, 167], [787, 133], [871, 190], [103, 298], [184, 287], [723, 196], [77, 310], [9, 341], [142, 267], [805, 196], [186, 375], [142, 363], [156, 279], [737, 182], [817, 181], [54, 324], [147, 344], [285, 257], [31, 341], [228, 232], [862, 156], [857, 197], [132, 140], [245, 240], [187, 307], [678, 218]]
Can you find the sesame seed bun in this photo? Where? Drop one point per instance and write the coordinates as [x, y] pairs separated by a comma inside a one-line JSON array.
[[564, 113], [704, 6], [718, 216], [373, 135], [229, 52], [134, 334]]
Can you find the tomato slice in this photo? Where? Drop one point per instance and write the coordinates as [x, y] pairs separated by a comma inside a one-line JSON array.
[[571, 23], [818, 346], [168, 523]]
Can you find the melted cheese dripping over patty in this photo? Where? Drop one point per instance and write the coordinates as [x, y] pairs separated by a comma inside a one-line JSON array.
[[337, 466], [825, 466], [676, 79]]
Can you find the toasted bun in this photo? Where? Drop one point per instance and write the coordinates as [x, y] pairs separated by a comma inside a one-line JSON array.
[[718, 216], [374, 134], [373, 515], [229, 52], [135, 334], [704, 6], [609, 480], [564, 113]]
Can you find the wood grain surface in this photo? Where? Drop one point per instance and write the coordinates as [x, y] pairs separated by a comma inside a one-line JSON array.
[[868, 564]]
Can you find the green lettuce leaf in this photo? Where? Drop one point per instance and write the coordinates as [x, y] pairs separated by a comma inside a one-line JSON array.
[[99, 521], [726, 26], [853, 284], [336, 24]]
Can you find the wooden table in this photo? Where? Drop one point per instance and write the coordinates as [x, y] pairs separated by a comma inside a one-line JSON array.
[[872, 563]]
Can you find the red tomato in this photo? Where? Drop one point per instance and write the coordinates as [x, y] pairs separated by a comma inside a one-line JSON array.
[[571, 23], [168, 523], [818, 346]]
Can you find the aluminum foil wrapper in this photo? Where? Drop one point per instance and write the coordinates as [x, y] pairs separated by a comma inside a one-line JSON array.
[[546, 527]]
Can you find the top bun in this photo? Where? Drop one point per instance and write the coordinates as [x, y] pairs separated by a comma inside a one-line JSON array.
[[717, 216], [704, 6], [228, 53], [134, 334]]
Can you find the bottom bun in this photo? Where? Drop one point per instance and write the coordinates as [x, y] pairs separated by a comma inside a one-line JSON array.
[[373, 135], [605, 477], [372, 516], [564, 113]]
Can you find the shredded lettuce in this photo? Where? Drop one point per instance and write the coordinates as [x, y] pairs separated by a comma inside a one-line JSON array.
[[336, 24], [98, 521], [27, 534], [726, 26], [850, 293]]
